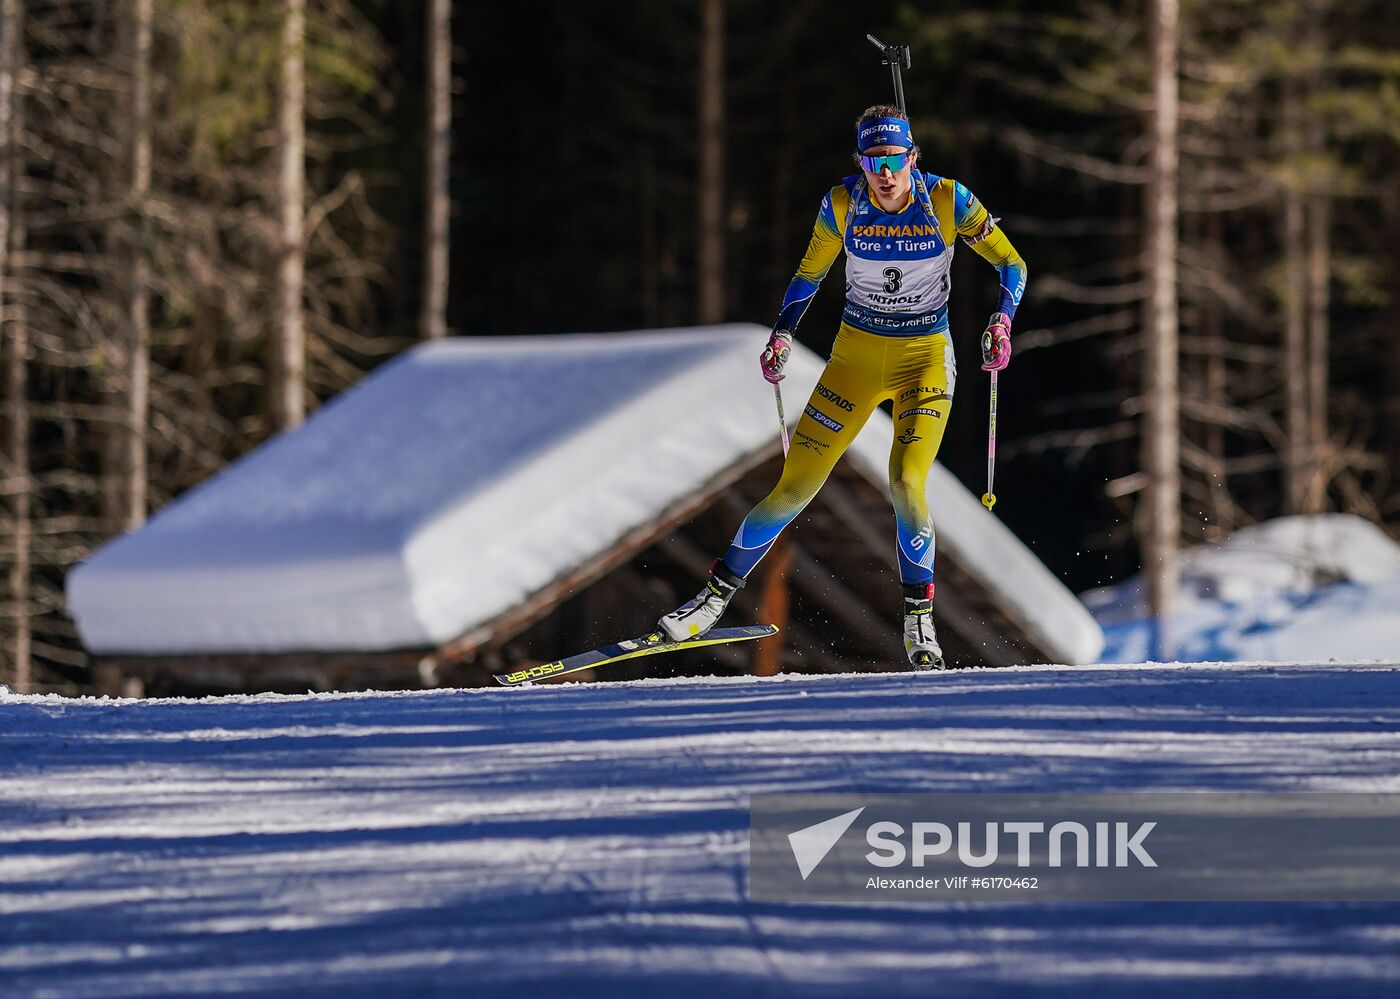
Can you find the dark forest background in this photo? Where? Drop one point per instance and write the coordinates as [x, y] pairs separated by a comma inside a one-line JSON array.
[[576, 187]]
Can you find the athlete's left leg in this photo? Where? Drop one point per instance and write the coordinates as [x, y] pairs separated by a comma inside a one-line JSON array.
[[922, 386], [922, 382]]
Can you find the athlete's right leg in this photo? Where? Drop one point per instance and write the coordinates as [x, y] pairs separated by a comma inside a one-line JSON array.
[[850, 388]]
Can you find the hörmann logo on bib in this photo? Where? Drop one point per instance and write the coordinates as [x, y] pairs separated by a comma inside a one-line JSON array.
[[893, 230]]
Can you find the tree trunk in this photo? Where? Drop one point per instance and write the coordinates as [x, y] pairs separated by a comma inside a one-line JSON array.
[[16, 338], [783, 263], [1217, 387], [436, 225], [1319, 266], [710, 308], [773, 604], [1161, 434], [17, 458], [1297, 427], [1319, 218], [650, 265], [138, 346], [21, 482], [1389, 410], [288, 374]]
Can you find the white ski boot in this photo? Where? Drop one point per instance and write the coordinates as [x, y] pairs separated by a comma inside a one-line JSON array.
[[920, 641], [695, 617]]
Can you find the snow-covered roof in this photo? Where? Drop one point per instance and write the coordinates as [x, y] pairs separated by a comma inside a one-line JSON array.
[[466, 474]]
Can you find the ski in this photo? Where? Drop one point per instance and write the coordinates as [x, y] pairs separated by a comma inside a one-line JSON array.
[[651, 644]]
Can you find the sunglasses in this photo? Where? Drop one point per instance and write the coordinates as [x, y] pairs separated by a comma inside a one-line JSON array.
[[895, 161]]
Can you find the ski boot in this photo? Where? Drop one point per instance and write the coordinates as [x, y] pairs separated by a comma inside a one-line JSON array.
[[695, 617], [920, 641]]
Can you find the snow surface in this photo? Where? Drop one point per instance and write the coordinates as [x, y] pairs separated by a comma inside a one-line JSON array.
[[465, 475], [1316, 587], [591, 840]]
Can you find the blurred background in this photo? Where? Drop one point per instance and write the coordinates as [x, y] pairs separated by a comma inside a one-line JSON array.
[[217, 214]]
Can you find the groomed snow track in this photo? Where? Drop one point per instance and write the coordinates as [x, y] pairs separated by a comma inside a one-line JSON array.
[[591, 840]]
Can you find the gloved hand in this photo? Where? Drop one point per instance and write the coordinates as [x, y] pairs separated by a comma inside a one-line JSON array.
[[996, 343], [775, 355]]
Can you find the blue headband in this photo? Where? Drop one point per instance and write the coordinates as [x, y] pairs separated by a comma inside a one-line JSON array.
[[883, 132]]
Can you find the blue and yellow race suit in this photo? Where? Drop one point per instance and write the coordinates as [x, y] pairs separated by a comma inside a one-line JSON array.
[[893, 344]]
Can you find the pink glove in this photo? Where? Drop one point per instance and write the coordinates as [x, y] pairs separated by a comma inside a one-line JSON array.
[[996, 343], [775, 355]]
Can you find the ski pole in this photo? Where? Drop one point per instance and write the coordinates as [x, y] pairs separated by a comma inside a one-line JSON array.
[[989, 498], [782, 420]]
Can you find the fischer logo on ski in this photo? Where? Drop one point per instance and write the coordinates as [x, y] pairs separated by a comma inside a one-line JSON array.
[[534, 672], [651, 644]]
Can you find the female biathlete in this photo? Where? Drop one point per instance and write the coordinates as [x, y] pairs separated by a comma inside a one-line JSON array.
[[898, 227]]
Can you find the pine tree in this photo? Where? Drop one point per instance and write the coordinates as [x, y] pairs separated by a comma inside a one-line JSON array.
[[1161, 459], [437, 198], [711, 305], [16, 358], [288, 368]]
